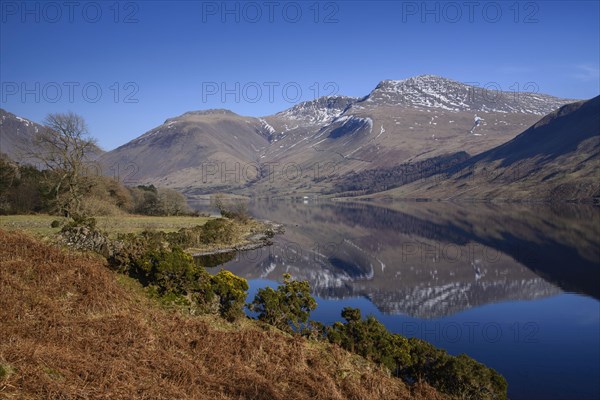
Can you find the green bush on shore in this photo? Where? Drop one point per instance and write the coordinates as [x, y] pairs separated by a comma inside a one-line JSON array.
[[415, 359], [287, 307], [160, 264], [231, 292]]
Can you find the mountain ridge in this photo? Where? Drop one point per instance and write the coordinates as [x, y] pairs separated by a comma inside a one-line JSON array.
[[558, 158], [426, 120]]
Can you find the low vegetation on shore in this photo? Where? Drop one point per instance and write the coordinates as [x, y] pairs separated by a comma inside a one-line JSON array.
[[73, 328], [155, 265]]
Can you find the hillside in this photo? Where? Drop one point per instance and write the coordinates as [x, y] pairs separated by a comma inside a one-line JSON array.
[[17, 139], [16, 134], [557, 158], [205, 150], [313, 147], [71, 328]]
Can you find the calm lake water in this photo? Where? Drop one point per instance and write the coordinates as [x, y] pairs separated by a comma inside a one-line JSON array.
[[516, 287]]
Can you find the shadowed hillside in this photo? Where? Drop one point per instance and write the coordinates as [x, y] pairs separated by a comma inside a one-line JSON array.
[[557, 158]]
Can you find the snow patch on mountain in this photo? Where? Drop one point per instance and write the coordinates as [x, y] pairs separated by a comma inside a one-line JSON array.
[[321, 111], [429, 91]]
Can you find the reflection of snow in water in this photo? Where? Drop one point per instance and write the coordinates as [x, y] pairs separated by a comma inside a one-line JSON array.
[[475, 265]]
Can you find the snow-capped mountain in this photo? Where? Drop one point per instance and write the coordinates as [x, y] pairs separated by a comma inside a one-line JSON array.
[[430, 91], [303, 119], [404, 121], [320, 111]]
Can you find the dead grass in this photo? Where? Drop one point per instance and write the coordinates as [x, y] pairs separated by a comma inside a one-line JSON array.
[[70, 330]]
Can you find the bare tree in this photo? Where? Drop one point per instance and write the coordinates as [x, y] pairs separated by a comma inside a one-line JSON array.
[[172, 202], [63, 147]]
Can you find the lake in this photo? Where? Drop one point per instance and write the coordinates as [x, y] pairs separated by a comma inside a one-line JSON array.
[[516, 287]]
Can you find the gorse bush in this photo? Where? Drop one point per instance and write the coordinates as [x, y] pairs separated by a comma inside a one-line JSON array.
[[170, 271], [287, 307], [217, 231], [214, 231], [460, 375], [415, 360], [231, 292], [172, 275], [370, 339]]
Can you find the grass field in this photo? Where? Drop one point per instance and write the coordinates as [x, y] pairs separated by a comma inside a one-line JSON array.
[[40, 224]]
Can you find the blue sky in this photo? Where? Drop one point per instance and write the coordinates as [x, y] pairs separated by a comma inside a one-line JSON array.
[[127, 66]]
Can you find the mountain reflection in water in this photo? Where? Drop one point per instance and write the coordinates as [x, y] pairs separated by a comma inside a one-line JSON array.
[[429, 260]]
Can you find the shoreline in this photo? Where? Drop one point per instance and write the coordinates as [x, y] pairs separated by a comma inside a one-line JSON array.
[[252, 241]]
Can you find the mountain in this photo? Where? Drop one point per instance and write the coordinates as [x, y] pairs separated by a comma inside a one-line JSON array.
[[431, 91], [419, 119], [202, 150], [16, 139], [321, 146], [557, 158], [16, 134], [310, 114]]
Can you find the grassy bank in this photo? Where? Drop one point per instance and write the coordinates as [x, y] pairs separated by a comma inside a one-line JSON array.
[[39, 224], [72, 328], [242, 235]]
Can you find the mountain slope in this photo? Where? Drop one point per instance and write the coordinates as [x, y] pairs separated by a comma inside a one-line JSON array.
[[399, 122], [16, 134], [557, 158], [207, 150], [17, 139]]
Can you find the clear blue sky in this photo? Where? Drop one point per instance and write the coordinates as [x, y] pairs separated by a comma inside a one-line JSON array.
[[174, 57]]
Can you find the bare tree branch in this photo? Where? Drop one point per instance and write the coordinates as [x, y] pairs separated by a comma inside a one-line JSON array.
[[63, 147]]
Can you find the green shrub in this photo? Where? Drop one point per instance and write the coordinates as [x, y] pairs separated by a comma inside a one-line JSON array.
[[288, 307], [217, 231], [131, 248], [169, 271], [415, 360], [231, 291], [370, 339], [460, 375]]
